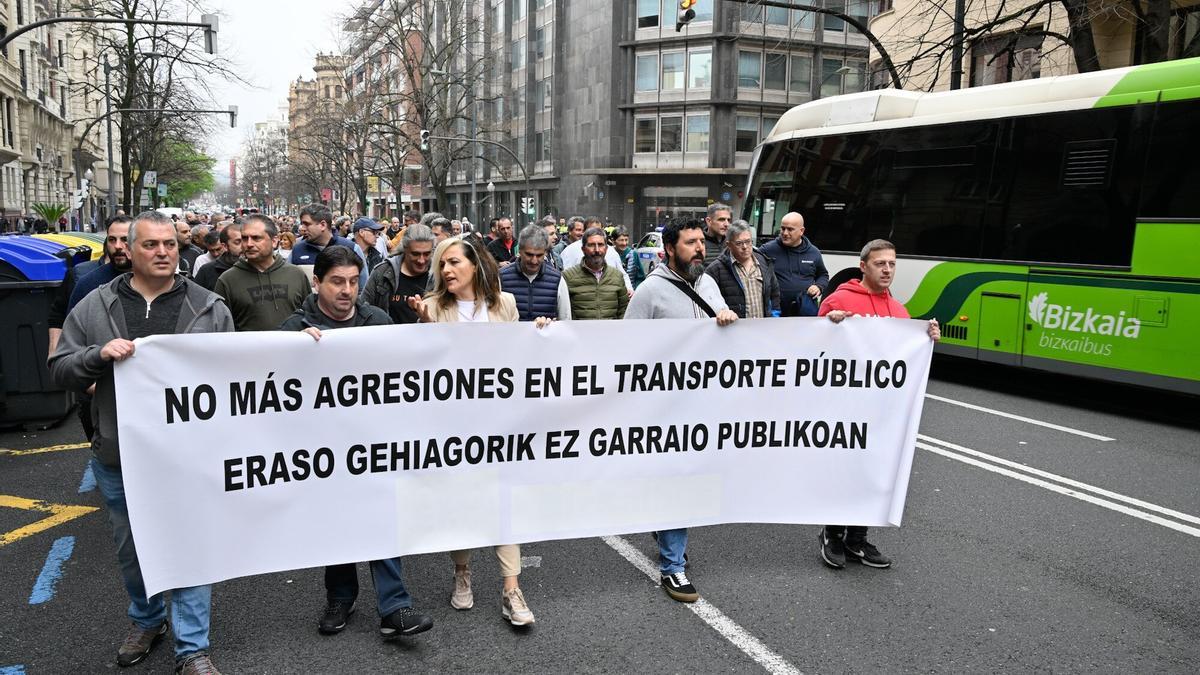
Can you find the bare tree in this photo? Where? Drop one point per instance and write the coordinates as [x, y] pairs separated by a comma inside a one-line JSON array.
[[923, 37], [153, 67]]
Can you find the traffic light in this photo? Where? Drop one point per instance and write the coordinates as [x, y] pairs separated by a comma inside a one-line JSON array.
[[686, 14], [527, 205], [424, 140]]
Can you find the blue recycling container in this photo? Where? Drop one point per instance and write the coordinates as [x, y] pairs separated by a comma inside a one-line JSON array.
[[31, 271]]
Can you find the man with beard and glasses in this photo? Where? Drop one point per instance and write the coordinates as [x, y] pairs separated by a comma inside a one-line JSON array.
[[679, 290], [593, 289]]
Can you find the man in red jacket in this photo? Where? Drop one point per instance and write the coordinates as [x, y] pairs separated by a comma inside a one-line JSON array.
[[869, 297]]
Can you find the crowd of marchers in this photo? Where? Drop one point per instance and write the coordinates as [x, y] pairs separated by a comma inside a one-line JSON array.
[[315, 272]]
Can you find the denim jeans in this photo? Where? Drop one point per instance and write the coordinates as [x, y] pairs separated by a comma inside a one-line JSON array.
[[341, 584], [672, 544], [190, 607]]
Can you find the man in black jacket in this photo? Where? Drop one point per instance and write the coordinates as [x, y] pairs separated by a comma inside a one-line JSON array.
[[798, 266], [336, 305], [231, 239], [745, 276]]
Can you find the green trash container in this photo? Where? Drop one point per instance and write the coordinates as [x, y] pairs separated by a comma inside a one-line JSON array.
[[31, 270]]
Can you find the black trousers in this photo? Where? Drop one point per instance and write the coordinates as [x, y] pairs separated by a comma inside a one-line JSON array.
[[850, 533]]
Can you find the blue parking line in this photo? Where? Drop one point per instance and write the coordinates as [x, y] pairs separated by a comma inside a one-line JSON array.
[[86, 485], [12, 670], [43, 589]]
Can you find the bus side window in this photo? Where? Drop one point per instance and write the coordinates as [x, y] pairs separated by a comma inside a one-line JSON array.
[[1171, 185]]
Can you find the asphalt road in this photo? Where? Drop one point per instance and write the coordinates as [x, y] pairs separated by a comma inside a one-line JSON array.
[[1025, 547]]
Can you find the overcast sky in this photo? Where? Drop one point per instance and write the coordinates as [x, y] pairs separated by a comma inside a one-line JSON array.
[[272, 42]]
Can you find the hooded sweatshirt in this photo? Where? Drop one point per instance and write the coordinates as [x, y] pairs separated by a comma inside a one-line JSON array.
[[99, 318], [658, 298], [262, 300], [852, 296], [796, 268]]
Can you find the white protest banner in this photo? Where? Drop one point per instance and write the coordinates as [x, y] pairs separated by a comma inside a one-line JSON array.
[[259, 452]]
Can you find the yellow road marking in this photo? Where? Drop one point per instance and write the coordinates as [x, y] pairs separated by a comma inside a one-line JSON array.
[[59, 514], [49, 448]]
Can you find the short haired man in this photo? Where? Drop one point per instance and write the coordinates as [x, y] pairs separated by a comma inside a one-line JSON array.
[[152, 300], [572, 254], [745, 276], [870, 297], [393, 227], [550, 226], [575, 228], [261, 289], [716, 225], [317, 221], [411, 218], [593, 289], [798, 266], [231, 240], [402, 275], [532, 280], [336, 305], [442, 229], [187, 252], [679, 290], [456, 228], [503, 247], [213, 248]]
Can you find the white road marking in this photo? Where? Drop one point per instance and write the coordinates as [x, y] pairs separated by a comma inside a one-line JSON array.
[[1060, 489], [715, 618], [1028, 420], [528, 561], [1179, 515]]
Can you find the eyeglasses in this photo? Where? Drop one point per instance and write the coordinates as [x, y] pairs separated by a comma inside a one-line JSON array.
[[745, 243]]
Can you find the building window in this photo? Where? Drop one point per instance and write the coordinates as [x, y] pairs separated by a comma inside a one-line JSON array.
[[1006, 58], [775, 72], [832, 23], [520, 102], [647, 13], [647, 72], [670, 134], [768, 124], [539, 43], [750, 69], [747, 133], [700, 69], [777, 16], [518, 52], [831, 79], [645, 134], [544, 93], [802, 20], [518, 10], [801, 80], [672, 71], [704, 10], [697, 133]]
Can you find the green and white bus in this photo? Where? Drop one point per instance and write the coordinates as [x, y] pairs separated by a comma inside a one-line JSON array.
[[1050, 223]]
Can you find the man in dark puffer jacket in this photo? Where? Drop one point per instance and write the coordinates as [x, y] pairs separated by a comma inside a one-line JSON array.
[[532, 280]]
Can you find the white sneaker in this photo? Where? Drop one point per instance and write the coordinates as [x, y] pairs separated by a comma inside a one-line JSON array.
[[462, 598], [514, 609]]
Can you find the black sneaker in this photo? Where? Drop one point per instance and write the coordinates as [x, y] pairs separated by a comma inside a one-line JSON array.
[[335, 617], [679, 588], [833, 552], [866, 553], [405, 621]]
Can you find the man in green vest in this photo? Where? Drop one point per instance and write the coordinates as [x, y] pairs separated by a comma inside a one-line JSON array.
[[593, 289]]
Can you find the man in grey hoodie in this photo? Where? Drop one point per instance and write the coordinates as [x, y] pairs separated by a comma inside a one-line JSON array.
[[152, 300], [679, 290]]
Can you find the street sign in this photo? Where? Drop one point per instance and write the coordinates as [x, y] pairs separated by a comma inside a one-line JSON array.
[[150, 179], [373, 184], [145, 200], [326, 195], [725, 196], [162, 189], [600, 194]]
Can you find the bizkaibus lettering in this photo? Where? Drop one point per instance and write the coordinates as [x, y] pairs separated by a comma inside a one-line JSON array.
[[1049, 315]]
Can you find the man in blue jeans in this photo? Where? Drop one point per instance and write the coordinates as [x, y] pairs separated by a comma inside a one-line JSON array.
[[99, 331]]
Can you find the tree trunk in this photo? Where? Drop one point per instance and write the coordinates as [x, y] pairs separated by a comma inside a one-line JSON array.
[[1156, 31], [1083, 41]]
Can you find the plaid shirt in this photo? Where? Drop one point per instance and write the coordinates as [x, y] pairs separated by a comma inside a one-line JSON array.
[[752, 285]]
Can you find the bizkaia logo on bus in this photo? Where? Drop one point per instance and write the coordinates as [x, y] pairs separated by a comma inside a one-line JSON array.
[[1085, 323]]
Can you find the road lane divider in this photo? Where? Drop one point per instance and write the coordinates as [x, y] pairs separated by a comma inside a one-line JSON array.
[[59, 514], [716, 619], [38, 451], [1064, 486], [52, 571], [1020, 418]]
